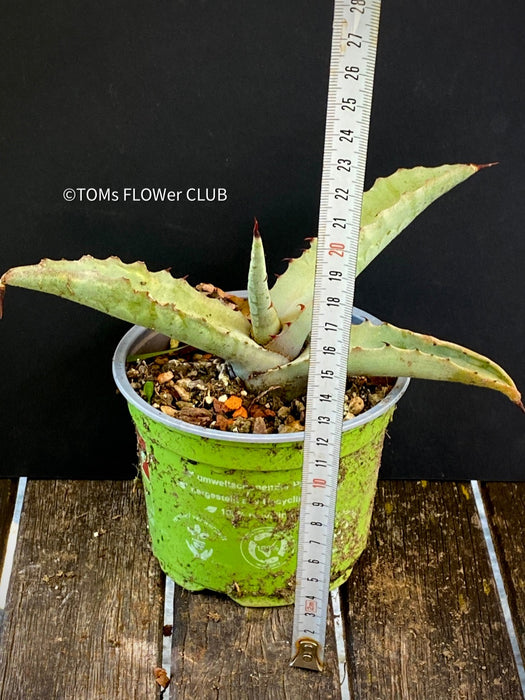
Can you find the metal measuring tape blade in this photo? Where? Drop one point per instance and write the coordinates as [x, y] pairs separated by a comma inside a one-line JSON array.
[[354, 45]]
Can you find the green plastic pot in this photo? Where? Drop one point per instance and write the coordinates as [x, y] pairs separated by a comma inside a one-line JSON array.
[[223, 508]]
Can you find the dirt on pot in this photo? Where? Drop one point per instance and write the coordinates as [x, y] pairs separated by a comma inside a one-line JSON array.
[[202, 389]]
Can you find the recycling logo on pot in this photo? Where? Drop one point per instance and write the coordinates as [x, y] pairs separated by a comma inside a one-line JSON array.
[[198, 543], [262, 549]]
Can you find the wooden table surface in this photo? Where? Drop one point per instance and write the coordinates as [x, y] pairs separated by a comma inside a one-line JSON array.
[[421, 614]]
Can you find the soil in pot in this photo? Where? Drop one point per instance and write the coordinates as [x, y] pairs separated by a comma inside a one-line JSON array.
[[201, 389]]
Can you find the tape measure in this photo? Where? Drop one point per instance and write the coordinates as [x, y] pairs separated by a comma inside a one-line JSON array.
[[354, 45]]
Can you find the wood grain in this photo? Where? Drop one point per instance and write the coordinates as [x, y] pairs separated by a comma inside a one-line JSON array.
[[505, 505], [8, 489], [84, 612], [222, 651], [424, 619]]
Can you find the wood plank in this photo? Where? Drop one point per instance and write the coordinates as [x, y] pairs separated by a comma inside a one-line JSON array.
[[226, 652], [84, 612], [505, 505], [8, 488], [423, 615]]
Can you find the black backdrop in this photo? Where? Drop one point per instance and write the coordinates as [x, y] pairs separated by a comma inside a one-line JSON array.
[[193, 93]]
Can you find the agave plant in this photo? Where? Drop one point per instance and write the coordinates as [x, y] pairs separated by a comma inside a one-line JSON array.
[[269, 345]]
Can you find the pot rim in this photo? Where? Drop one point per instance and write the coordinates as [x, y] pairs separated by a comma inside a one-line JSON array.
[[124, 349]]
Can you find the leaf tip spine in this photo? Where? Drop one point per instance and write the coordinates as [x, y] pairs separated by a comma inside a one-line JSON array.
[[2, 295], [482, 166]]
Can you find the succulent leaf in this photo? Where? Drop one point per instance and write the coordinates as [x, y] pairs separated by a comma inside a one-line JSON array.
[[265, 320], [389, 206], [294, 288], [388, 351], [293, 336], [385, 350], [152, 299], [394, 202], [290, 378]]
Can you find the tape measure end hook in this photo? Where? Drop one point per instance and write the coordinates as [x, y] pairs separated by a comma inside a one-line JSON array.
[[307, 655]]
